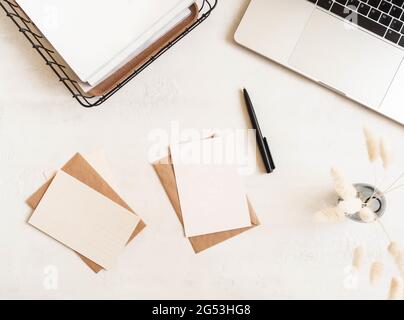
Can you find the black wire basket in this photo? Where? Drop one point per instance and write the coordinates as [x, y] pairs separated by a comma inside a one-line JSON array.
[[28, 29]]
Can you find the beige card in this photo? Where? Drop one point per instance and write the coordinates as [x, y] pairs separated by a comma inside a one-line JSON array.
[[84, 220], [217, 202]]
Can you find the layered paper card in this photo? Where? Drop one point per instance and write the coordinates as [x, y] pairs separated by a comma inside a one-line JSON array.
[[79, 168], [84, 220], [217, 202], [165, 172]]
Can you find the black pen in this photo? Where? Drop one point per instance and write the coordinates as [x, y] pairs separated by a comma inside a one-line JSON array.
[[261, 140]]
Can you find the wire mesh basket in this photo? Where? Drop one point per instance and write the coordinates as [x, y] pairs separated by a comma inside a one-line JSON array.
[[39, 43]]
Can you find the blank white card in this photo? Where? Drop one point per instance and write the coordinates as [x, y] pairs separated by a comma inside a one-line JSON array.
[[212, 196], [84, 220]]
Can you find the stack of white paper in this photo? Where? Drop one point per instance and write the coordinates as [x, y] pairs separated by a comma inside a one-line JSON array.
[[96, 37]]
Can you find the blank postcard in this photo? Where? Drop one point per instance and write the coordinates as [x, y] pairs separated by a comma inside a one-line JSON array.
[[84, 220], [212, 196]]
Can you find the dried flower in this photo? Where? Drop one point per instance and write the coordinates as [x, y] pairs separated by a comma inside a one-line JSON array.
[[385, 154], [330, 214], [394, 249], [343, 188], [351, 206], [398, 257], [359, 254], [367, 215], [376, 272], [372, 145], [400, 262], [396, 289]]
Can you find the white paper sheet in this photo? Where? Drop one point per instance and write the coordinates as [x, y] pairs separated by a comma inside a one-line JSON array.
[[84, 220], [212, 196]]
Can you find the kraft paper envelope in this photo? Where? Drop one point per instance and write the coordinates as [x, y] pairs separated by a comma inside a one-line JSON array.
[[80, 169], [165, 171]]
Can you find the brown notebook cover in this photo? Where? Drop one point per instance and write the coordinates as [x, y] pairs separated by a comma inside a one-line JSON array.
[[80, 169], [165, 171]]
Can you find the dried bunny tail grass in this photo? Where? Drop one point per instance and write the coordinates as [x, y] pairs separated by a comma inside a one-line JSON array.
[[371, 144], [398, 257], [343, 188], [330, 214], [385, 154], [396, 289], [358, 257], [376, 272], [367, 215], [351, 206], [394, 249], [399, 260]]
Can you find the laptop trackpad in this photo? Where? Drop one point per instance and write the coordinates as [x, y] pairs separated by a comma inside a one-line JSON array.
[[346, 58]]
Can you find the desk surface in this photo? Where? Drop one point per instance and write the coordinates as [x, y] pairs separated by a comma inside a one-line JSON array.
[[197, 85]]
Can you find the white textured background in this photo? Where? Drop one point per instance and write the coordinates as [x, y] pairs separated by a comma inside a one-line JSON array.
[[197, 83]]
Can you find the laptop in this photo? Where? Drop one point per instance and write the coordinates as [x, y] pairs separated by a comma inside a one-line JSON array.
[[353, 47]]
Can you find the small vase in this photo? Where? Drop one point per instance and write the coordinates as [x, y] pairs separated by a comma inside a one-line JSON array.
[[372, 198]]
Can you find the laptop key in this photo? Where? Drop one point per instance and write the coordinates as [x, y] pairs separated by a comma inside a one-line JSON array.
[[341, 11], [364, 9], [375, 14], [374, 3], [385, 20], [398, 2], [371, 25], [401, 42], [385, 6], [396, 25], [353, 4], [396, 12], [326, 4], [392, 36]]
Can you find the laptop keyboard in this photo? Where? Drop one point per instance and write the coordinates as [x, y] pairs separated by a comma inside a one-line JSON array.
[[384, 18]]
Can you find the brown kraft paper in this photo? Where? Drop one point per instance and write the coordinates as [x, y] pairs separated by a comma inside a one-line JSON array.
[[80, 169], [165, 171]]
